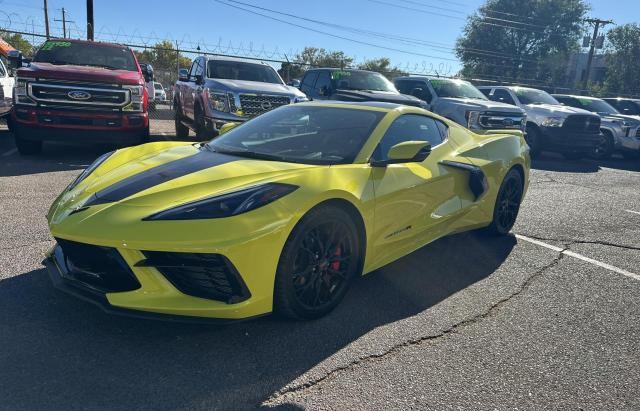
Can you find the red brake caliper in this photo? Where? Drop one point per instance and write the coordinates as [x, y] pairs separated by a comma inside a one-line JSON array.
[[336, 264]]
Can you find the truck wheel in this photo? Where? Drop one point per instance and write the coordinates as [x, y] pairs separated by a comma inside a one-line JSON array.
[[202, 133], [145, 136], [532, 137], [182, 131], [605, 146], [26, 147]]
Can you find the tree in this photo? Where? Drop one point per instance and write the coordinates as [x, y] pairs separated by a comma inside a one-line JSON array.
[[18, 42], [313, 57], [529, 41], [623, 48], [164, 59], [382, 65]]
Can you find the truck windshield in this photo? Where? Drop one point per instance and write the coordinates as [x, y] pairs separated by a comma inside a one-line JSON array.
[[456, 89], [531, 96], [86, 54], [239, 70], [361, 80], [301, 133], [597, 106]]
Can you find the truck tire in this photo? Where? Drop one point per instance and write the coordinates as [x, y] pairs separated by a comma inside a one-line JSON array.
[[533, 139], [605, 147], [182, 131], [25, 147], [202, 132], [145, 136]]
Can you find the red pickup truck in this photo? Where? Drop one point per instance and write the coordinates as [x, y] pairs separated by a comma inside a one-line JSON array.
[[79, 92]]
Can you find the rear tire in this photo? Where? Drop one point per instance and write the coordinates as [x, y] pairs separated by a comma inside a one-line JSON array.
[[507, 205], [26, 147], [182, 131], [319, 261]]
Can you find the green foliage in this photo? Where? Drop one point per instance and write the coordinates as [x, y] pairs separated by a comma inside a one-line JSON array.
[[623, 50], [313, 57], [535, 49], [163, 57], [383, 66], [18, 42]]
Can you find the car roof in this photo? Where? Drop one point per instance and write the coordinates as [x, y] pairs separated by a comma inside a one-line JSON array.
[[576, 96], [236, 59], [100, 43], [637, 100], [425, 77]]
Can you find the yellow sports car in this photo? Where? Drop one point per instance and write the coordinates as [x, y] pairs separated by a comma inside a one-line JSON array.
[[279, 213]]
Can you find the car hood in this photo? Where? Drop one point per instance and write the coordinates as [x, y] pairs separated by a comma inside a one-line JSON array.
[[633, 119], [80, 73], [382, 96], [481, 104], [158, 176], [556, 110], [243, 86]]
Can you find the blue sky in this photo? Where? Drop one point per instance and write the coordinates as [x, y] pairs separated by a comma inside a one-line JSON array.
[[217, 27]]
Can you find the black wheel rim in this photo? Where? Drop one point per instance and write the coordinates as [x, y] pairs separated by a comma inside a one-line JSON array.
[[323, 265], [509, 204]]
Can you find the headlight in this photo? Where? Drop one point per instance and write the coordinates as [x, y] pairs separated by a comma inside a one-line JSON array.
[[20, 95], [90, 169], [300, 99], [227, 205], [472, 119], [137, 97], [20, 87], [553, 122], [219, 100]]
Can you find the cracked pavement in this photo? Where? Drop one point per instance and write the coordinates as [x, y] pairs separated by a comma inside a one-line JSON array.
[[466, 322]]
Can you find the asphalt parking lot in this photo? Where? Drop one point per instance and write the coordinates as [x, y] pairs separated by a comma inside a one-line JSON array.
[[546, 319]]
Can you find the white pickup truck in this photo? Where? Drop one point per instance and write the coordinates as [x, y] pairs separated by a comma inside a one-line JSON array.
[[6, 89]]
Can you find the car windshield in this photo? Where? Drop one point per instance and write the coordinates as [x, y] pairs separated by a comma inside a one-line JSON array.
[[86, 54], [301, 134], [531, 96], [238, 70], [456, 89], [597, 106], [361, 80], [157, 86]]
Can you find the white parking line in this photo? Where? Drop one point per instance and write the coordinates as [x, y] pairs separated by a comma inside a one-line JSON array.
[[633, 212], [580, 257], [8, 153]]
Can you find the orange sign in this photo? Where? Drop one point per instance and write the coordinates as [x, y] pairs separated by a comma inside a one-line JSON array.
[[5, 47]]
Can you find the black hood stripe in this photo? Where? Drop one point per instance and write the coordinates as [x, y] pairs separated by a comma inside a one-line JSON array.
[[159, 175]]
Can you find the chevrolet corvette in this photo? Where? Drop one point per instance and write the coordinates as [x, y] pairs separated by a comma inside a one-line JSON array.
[[278, 214]]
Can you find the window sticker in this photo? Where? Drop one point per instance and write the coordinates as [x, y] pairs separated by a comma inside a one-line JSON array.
[[337, 75], [49, 45]]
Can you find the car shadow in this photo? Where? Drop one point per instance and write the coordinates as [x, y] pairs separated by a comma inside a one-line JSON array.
[[555, 162], [57, 350]]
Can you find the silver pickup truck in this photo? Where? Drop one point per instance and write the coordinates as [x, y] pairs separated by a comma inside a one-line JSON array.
[[220, 90], [573, 132], [620, 132], [462, 102]]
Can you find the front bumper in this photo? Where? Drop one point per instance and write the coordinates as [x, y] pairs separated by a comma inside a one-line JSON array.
[[563, 141], [630, 142]]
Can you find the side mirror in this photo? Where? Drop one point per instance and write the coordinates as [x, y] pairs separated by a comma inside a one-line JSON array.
[[226, 128], [405, 152], [417, 92], [197, 78], [183, 75], [147, 72], [15, 59], [324, 91]]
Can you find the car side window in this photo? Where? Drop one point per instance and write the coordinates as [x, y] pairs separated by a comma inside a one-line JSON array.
[[324, 81], [200, 67], [308, 82], [415, 88], [486, 92], [411, 127], [502, 96]]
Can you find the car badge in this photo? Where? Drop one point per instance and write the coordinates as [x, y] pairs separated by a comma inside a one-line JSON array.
[[266, 105], [79, 95]]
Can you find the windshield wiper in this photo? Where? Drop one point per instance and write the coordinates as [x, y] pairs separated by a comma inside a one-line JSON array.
[[100, 65], [247, 154]]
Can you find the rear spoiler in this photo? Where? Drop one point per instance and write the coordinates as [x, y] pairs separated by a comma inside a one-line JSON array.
[[518, 133]]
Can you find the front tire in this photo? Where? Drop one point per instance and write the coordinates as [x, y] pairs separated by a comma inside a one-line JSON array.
[[533, 139], [507, 204], [605, 147], [26, 147], [317, 265], [182, 131]]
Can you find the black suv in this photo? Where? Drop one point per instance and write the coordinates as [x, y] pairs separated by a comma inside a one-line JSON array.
[[353, 85], [628, 106]]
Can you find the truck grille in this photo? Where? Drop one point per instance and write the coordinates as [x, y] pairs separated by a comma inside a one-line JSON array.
[[582, 123], [638, 132], [255, 104], [500, 120], [78, 95]]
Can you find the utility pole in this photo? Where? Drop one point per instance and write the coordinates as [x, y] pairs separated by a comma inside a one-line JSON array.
[[46, 18], [90, 20], [64, 23], [597, 23]]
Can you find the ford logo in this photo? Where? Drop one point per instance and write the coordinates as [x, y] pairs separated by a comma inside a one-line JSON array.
[[79, 95]]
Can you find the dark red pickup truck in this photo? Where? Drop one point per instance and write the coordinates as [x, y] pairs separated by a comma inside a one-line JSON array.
[[79, 92]]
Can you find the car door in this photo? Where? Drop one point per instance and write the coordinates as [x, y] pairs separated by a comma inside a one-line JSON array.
[[322, 88], [416, 88], [308, 82], [414, 200], [188, 90]]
